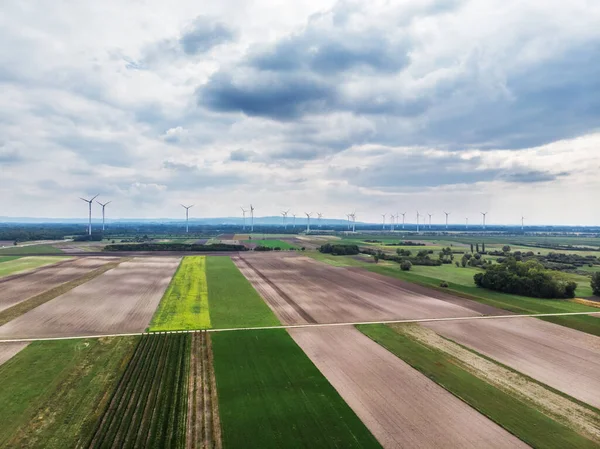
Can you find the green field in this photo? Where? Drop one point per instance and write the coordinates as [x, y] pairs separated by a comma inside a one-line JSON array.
[[32, 249], [20, 264], [8, 258], [272, 396], [53, 392], [272, 243], [184, 305], [149, 406], [232, 299], [515, 415]]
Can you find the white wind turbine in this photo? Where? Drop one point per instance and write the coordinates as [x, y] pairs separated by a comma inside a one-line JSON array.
[[392, 221], [103, 206], [418, 215], [187, 216], [294, 225], [320, 216], [353, 215], [484, 215], [430, 215], [308, 214], [447, 214], [383, 222], [251, 218], [403, 218], [522, 223], [348, 217], [467, 226], [284, 215], [244, 215], [90, 201]]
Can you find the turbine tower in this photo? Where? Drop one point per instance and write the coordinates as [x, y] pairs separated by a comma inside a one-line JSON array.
[[353, 221], [284, 215], [430, 215], [522, 223], [294, 215], [308, 214], [90, 201], [348, 217], [392, 222], [244, 214], [418, 221], [467, 226], [403, 219], [103, 206], [484, 215], [187, 217], [383, 222], [251, 218], [447, 214], [320, 215]]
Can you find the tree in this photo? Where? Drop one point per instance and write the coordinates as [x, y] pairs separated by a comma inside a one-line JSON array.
[[464, 261], [405, 265], [506, 249], [477, 247], [596, 283], [471, 247], [483, 247]]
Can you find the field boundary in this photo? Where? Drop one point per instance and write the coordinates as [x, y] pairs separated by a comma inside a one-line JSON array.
[[297, 326]]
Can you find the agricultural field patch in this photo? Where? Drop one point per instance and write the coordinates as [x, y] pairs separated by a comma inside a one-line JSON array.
[[516, 415], [30, 249], [270, 243], [232, 299], [184, 305], [53, 392], [22, 264], [149, 406], [272, 396], [8, 258]]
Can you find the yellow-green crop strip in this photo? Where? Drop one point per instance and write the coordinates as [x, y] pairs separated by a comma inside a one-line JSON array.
[[184, 305]]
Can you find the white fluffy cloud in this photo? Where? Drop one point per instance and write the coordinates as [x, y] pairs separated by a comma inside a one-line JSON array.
[[337, 105]]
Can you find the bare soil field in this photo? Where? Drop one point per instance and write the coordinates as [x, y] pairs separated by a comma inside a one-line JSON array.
[[563, 358], [400, 406], [301, 290], [119, 301], [9, 350], [19, 287]]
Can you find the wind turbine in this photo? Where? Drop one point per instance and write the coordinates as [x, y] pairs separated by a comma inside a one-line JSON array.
[[353, 215], [187, 216], [244, 214], [383, 223], [447, 214], [348, 217], [392, 222], [403, 219], [284, 215], [320, 215], [308, 214], [484, 215], [522, 223], [251, 218], [103, 206], [418, 221], [90, 213], [294, 215], [430, 215], [467, 227]]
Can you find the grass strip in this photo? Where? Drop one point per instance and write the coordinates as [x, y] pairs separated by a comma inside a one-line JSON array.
[[53, 392], [271, 395], [518, 417], [8, 258], [272, 243], [233, 301], [184, 305], [29, 304], [30, 249], [20, 264]]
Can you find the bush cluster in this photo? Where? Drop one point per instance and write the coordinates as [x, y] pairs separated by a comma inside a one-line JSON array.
[[525, 278], [339, 249], [173, 247], [596, 283]]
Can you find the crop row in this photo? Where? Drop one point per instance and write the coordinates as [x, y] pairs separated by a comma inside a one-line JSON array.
[[149, 406]]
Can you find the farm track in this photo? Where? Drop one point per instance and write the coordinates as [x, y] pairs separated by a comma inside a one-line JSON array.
[[203, 428], [148, 408]]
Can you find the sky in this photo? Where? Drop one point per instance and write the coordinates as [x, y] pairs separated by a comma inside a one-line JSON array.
[[315, 106]]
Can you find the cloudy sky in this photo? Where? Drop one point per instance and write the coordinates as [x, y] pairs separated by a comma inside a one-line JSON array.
[[329, 106]]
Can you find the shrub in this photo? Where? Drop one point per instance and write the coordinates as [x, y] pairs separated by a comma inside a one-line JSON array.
[[596, 283], [444, 284], [263, 248], [339, 249], [406, 265]]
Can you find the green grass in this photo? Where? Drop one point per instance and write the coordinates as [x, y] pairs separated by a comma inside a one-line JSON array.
[[8, 258], [26, 263], [184, 305], [272, 396], [272, 243], [232, 299], [337, 261], [518, 417], [33, 249], [53, 392]]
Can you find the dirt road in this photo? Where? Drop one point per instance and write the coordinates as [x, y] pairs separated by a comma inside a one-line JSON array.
[[19, 287], [399, 405], [120, 300], [301, 290], [562, 358]]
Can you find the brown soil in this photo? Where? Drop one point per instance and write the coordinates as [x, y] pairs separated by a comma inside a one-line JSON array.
[[9, 350], [203, 427], [400, 406], [562, 409], [562, 358], [119, 301], [19, 287], [301, 290]]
